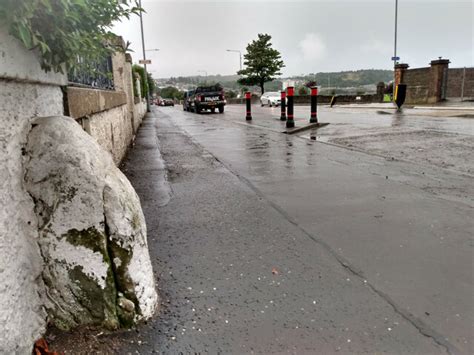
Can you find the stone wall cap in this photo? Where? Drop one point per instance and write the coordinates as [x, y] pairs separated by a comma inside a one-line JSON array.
[[440, 61], [401, 66]]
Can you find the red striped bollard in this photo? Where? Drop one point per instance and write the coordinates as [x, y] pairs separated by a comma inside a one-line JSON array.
[[248, 97], [314, 105], [290, 92], [283, 106]]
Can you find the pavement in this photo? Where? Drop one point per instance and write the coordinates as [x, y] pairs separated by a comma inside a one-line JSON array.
[[268, 243]]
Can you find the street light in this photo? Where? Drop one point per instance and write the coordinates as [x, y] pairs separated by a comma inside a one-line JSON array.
[[144, 57], [395, 44], [152, 50], [240, 55], [203, 71]]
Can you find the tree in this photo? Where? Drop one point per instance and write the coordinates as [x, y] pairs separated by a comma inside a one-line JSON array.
[[262, 62], [151, 84], [170, 92]]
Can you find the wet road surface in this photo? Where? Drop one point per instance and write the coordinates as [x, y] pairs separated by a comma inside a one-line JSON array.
[[272, 243]]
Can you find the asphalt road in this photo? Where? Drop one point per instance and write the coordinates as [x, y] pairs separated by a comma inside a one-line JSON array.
[[270, 243]]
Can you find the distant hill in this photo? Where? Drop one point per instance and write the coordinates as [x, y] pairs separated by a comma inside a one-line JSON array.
[[353, 78], [343, 79]]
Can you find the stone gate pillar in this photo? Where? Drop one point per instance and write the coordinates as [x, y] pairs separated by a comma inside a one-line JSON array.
[[438, 80], [400, 70]]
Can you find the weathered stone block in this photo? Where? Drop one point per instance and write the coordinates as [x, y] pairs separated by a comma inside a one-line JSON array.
[[83, 101], [92, 229]]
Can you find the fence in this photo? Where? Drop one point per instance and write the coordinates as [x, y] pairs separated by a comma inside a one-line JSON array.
[[97, 74]]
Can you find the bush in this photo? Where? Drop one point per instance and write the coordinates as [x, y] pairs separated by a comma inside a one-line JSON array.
[[303, 91]]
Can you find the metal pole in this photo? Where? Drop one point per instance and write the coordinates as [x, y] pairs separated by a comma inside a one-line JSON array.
[[144, 58], [290, 122], [248, 106], [240, 56], [462, 85], [283, 106], [314, 105], [395, 44]]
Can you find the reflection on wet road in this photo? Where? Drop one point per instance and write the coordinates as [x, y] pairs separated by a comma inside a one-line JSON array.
[[404, 226]]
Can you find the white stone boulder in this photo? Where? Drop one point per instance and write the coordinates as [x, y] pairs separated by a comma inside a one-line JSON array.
[[97, 269]]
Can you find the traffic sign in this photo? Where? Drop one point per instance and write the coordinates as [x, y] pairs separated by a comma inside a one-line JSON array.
[[395, 58], [144, 61]]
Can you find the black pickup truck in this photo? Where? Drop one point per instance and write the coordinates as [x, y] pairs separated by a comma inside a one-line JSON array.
[[208, 98]]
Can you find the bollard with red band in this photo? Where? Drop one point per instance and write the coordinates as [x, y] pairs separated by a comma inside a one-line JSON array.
[[314, 105], [283, 106], [290, 92], [248, 97]]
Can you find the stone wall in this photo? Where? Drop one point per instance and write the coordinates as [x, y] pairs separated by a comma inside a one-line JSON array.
[[111, 117], [27, 93], [455, 83], [424, 85], [418, 82]]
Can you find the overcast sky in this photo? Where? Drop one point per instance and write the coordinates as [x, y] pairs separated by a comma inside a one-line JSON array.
[[312, 36]]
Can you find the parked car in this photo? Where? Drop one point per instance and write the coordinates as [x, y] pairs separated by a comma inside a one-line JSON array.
[[208, 98], [167, 102], [187, 100], [270, 99]]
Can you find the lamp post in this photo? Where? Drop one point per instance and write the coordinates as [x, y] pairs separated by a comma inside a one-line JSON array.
[[240, 55], [395, 44], [152, 50], [144, 58], [203, 71]]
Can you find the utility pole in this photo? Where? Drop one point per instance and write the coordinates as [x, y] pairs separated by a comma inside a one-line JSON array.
[[144, 58]]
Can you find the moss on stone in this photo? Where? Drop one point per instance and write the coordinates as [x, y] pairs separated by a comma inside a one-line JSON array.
[[124, 282], [89, 238], [99, 304]]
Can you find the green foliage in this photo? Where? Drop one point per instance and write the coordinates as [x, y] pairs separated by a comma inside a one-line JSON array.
[[230, 94], [353, 78], [137, 69], [303, 91], [262, 62], [64, 30], [171, 92], [151, 84]]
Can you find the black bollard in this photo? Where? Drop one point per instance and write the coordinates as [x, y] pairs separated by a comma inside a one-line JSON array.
[[400, 95], [248, 97], [283, 106], [290, 92], [314, 105]]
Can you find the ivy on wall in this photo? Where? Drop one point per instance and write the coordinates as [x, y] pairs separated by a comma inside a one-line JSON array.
[[64, 30], [140, 71]]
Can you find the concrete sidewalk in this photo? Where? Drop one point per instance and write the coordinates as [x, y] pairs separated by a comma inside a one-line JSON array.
[[237, 275]]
